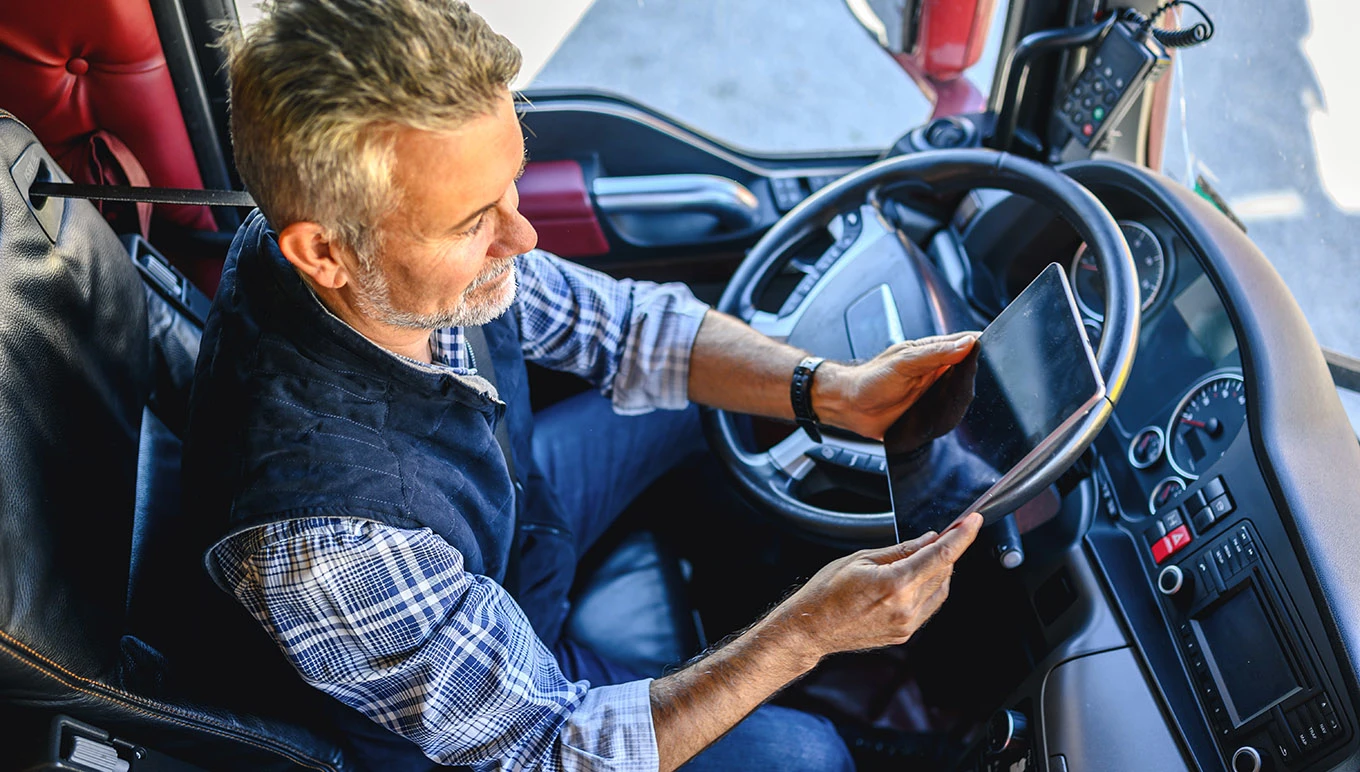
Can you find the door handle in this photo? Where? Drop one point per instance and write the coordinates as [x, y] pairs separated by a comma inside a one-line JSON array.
[[735, 206]]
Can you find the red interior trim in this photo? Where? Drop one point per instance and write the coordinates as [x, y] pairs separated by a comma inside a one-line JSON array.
[[74, 67], [553, 196]]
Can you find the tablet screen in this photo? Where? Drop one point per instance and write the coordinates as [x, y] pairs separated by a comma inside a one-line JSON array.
[[1030, 376]]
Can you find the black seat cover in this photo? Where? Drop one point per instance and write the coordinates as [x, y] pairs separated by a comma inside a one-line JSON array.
[[79, 364]]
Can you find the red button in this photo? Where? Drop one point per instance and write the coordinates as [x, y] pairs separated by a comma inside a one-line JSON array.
[[1170, 544], [77, 66], [1087, 129]]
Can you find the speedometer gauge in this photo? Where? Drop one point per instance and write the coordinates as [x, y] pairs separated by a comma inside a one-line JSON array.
[[1206, 422], [1148, 258]]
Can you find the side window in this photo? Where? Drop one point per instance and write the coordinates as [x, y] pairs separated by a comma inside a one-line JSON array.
[[1267, 113]]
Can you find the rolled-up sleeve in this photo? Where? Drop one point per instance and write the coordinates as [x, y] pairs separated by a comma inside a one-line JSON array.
[[387, 621], [631, 339]]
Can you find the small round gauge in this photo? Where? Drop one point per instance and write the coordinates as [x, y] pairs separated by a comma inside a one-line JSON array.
[[1164, 492], [1205, 422], [1148, 257], [1146, 447]]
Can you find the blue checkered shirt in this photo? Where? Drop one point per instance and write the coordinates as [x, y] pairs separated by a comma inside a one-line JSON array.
[[387, 620]]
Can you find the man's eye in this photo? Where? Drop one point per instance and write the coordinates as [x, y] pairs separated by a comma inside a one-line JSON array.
[[475, 227]]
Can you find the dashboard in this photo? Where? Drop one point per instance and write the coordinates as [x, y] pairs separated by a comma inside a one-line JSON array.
[[1186, 399], [1183, 534]]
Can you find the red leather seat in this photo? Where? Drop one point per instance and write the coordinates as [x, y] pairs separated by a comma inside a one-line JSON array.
[[70, 68]]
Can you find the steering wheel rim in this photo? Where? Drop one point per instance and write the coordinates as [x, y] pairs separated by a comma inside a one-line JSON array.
[[761, 477]]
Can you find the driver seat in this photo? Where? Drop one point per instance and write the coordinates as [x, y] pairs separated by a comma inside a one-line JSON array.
[[94, 373]]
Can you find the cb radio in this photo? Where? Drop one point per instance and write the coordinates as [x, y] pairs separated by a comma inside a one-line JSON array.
[[1114, 77]]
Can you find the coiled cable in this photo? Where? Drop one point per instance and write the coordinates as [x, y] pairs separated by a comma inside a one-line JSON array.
[[1172, 38]]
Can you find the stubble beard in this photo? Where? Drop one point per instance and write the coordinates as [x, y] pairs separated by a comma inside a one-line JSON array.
[[373, 296]]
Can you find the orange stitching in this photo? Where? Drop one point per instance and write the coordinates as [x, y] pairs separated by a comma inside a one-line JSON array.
[[188, 722]]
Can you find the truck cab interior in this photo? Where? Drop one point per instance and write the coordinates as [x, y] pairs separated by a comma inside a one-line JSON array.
[[1177, 593]]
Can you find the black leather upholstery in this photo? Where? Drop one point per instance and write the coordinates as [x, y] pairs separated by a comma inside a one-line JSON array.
[[84, 351], [633, 608]]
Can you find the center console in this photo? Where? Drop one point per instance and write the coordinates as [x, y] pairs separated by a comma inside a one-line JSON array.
[[1258, 678]]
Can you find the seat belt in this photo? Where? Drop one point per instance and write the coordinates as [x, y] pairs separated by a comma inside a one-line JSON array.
[[139, 194], [481, 359], [486, 367]]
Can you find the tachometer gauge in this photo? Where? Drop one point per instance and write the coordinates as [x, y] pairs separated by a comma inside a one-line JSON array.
[[1148, 258], [1206, 422]]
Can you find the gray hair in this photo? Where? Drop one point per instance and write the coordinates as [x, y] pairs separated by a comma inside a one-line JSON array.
[[318, 87]]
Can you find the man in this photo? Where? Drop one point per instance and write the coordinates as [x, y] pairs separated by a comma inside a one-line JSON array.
[[342, 437]]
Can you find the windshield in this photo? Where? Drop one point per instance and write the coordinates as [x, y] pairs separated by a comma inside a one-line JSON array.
[[769, 76], [1268, 112], [1264, 112]]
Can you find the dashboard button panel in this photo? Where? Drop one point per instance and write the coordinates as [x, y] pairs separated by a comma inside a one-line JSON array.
[[1210, 504], [1302, 724]]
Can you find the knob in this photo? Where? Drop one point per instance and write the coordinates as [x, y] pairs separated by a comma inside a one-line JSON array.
[[1006, 546], [946, 133], [1172, 580], [1008, 732], [1246, 759]]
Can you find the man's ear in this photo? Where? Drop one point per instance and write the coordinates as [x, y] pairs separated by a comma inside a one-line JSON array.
[[306, 246]]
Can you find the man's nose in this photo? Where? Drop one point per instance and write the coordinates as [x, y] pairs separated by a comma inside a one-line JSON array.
[[517, 235]]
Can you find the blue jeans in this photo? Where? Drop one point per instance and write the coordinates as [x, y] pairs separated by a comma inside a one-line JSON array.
[[598, 462]]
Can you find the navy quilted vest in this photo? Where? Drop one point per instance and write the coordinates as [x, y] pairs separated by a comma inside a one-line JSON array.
[[296, 415]]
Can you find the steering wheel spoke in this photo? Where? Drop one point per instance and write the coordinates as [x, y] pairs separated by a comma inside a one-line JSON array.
[[792, 455]]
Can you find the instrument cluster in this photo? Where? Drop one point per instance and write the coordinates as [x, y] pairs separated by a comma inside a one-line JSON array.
[[1186, 399]]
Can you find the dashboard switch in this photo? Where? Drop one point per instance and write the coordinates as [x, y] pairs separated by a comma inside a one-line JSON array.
[[1173, 519], [1203, 520], [1196, 502], [1154, 532], [1170, 544], [1222, 506], [1213, 489]]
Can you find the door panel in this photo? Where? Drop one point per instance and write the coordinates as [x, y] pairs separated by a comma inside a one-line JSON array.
[[668, 202]]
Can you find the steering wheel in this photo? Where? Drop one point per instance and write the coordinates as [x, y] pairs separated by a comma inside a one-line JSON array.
[[873, 287]]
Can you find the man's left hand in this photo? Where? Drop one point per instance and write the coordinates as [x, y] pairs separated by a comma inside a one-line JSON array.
[[866, 398]]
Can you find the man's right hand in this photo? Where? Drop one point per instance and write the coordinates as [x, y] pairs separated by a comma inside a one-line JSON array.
[[877, 597], [866, 600]]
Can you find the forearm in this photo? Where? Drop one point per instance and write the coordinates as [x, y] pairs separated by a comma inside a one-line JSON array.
[[694, 707], [735, 368]]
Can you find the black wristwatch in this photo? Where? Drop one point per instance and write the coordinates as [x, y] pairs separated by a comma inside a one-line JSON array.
[[800, 392]]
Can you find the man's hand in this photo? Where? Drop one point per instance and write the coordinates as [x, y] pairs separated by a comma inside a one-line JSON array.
[[867, 398], [866, 600], [878, 597], [735, 368]]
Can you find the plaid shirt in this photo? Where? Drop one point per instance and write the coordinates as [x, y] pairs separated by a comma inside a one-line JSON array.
[[387, 621]]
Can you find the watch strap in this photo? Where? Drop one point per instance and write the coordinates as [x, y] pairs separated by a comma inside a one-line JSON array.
[[800, 394]]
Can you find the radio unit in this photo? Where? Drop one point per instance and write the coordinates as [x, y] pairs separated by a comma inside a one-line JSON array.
[[1257, 682]]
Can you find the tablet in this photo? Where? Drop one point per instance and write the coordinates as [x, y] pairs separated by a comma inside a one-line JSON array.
[[1018, 397]]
